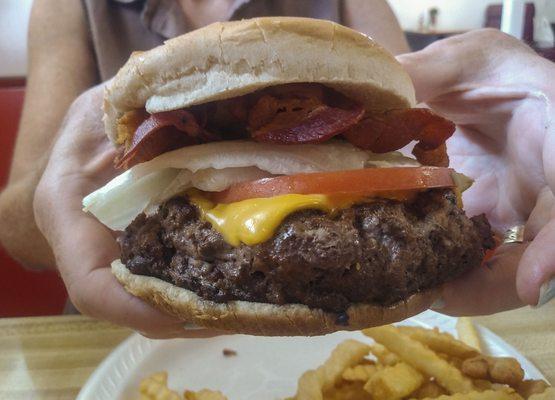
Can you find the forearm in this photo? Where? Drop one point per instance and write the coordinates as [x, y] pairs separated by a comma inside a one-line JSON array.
[[61, 66], [19, 234]]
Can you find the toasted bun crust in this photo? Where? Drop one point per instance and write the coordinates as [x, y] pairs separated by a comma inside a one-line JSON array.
[[230, 59], [261, 318]]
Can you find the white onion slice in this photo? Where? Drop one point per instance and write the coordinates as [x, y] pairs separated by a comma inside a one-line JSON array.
[[276, 159], [392, 159], [118, 203], [216, 166], [214, 180]]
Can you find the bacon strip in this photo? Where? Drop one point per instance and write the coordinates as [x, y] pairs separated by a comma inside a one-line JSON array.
[[162, 132], [319, 125], [289, 114], [435, 157], [270, 112], [395, 129]]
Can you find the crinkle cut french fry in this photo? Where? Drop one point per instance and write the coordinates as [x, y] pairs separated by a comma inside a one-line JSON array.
[[361, 372], [155, 387], [345, 355], [482, 384], [313, 384], [429, 389], [504, 370], [204, 394], [421, 358], [309, 387], [531, 386], [157, 391], [467, 333], [348, 391], [487, 395], [394, 383], [383, 355], [548, 394], [439, 342], [476, 367]]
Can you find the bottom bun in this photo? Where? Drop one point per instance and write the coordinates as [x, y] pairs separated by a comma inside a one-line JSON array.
[[264, 319]]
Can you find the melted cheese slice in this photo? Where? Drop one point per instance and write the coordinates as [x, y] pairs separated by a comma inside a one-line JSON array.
[[254, 221]]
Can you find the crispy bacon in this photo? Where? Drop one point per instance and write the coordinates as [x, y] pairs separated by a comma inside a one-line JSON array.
[[435, 157], [270, 112], [301, 113], [286, 114], [395, 129], [127, 124], [303, 118], [284, 105], [321, 124], [162, 132]]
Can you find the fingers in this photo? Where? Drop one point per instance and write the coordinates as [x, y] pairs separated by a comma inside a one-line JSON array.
[[469, 59], [84, 262], [81, 161], [101, 296], [84, 250], [537, 268], [98, 294], [486, 289], [430, 72], [518, 274], [441, 66], [541, 214]]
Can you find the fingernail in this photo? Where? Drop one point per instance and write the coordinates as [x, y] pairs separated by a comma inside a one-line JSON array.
[[547, 292], [191, 327], [438, 304]]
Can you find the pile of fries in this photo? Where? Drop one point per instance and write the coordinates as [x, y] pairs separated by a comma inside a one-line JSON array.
[[417, 363], [403, 363]]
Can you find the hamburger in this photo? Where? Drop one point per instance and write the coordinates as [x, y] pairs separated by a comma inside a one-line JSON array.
[[262, 190]]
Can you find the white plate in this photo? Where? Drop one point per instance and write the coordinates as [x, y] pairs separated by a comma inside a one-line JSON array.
[[264, 368]]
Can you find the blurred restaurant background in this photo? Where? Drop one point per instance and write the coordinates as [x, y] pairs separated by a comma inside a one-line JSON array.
[[25, 293]]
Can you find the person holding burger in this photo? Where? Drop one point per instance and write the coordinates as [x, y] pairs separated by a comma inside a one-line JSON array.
[[518, 273], [82, 161]]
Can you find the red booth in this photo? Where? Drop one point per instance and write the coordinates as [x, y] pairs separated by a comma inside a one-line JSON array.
[[22, 292]]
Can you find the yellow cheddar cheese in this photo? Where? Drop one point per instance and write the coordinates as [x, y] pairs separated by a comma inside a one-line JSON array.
[[254, 221]]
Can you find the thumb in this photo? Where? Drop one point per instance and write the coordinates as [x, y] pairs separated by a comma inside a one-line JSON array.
[[465, 61], [486, 289], [535, 280], [433, 70]]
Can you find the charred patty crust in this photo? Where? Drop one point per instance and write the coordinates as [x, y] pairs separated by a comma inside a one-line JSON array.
[[379, 252]]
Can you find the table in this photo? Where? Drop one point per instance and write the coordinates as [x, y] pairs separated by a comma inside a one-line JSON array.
[[52, 357]]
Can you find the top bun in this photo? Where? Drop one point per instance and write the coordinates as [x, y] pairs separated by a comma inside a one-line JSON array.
[[230, 59]]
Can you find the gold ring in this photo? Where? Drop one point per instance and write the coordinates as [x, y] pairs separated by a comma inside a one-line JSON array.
[[514, 234]]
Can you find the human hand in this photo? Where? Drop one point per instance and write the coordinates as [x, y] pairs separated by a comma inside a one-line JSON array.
[[499, 92], [82, 161]]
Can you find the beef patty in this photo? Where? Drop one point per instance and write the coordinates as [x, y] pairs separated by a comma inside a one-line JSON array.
[[379, 253]]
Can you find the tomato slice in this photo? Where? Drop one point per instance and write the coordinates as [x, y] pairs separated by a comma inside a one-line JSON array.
[[359, 182]]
